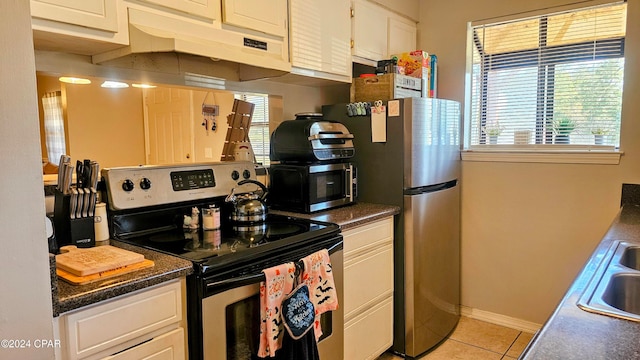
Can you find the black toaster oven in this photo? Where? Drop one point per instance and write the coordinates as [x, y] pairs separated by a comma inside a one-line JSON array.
[[309, 188]]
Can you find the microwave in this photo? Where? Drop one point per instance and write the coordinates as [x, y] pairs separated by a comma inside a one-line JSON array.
[[308, 188]]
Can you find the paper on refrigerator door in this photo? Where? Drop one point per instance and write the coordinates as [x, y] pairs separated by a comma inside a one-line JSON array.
[[379, 124]]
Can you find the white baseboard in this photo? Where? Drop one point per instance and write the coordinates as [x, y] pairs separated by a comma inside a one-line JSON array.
[[498, 319]]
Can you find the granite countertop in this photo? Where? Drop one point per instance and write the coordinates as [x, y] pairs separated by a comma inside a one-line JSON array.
[[349, 216], [68, 297], [572, 333]]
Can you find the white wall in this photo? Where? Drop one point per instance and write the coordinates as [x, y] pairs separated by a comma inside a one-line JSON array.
[[25, 299], [527, 229]]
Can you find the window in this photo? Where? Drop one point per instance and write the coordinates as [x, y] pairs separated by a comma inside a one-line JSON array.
[[549, 80], [53, 126], [259, 130]]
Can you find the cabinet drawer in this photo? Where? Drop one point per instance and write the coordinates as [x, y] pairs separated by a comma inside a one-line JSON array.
[[367, 236], [169, 346], [91, 330], [369, 335], [366, 278]]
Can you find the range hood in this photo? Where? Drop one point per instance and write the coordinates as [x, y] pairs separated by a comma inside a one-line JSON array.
[[256, 56]]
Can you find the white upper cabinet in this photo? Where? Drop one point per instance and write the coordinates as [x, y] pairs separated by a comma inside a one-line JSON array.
[[265, 16], [320, 37], [378, 32], [95, 14], [369, 30], [209, 9], [401, 36]]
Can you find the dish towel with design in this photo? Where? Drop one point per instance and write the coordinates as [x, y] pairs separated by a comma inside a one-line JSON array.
[[279, 281], [318, 276]]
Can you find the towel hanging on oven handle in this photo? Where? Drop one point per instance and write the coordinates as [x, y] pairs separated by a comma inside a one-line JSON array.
[[235, 282]]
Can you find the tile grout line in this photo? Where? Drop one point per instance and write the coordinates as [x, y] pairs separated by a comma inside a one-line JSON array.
[[512, 343], [478, 347]]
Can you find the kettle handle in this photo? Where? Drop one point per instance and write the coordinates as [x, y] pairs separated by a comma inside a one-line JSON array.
[[251, 181]]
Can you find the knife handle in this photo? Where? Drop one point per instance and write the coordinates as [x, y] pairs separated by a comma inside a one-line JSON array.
[[79, 173], [95, 174], [92, 202], [86, 203], [79, 205], [73, 203]]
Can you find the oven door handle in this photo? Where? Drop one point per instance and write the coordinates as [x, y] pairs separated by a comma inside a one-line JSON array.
[[253, 278]]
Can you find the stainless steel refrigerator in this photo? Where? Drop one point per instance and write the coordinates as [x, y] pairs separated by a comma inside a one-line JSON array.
[[417, 168]]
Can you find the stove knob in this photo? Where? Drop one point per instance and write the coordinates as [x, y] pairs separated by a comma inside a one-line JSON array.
[[127, 185], [246, 174], [145, 184], [235, 175]]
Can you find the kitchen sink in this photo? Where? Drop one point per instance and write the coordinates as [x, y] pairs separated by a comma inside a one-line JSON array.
[[623, 293], [614, 289], [631, 257]]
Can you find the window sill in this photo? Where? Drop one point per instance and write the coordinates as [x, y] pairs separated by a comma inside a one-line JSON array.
[[568, 155]]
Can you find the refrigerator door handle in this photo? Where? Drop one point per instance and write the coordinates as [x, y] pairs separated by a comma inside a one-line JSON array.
[[430, 188]]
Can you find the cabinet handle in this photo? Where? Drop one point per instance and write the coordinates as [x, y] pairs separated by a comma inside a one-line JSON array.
[[353, 12], [188, 156]]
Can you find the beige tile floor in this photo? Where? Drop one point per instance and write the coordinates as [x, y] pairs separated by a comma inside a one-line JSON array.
[[477, 340]]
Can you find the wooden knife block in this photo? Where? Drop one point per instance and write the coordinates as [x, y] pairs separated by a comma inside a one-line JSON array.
[[78, 232]]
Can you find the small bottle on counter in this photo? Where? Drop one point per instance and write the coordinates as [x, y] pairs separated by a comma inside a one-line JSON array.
[[211, 218]]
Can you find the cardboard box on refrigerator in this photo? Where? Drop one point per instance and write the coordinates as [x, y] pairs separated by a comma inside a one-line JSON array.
[[414, 63]]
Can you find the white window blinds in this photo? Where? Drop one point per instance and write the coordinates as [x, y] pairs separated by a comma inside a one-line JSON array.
[[53, 126], [259, 130], [547, 80]]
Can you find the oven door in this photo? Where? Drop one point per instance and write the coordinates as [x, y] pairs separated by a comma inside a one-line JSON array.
[[231, 319]]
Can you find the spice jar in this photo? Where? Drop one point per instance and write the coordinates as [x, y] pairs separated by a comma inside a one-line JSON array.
[[211, 218]]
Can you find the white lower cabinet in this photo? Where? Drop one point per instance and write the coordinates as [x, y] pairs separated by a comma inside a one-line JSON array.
[[145, 324], [368, 290]]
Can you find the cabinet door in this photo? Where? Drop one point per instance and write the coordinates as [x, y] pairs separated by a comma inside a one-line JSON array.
[[320, 35], [368, 290], [266, 16], [369, 30], [368, 335], [121, 322], [209, 9], [94, 14], [402, 36]]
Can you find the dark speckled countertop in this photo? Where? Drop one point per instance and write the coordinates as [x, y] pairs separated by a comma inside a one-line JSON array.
[[572, 333], [67, 297], [349, 216]]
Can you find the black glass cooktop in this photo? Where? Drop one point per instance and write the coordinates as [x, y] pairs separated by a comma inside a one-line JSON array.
[[236, 243]]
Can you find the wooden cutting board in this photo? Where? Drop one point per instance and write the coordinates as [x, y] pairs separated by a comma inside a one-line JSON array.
[[81, 280], [88, 261]]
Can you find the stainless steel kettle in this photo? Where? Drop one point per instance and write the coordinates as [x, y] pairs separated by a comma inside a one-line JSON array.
[[249, 207]]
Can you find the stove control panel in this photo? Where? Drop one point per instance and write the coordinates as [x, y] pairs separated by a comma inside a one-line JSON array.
[[143, 186], [192, 179]]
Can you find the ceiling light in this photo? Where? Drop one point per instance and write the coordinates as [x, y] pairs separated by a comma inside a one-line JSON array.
[[143, 86], [74, 80], [114, 84]]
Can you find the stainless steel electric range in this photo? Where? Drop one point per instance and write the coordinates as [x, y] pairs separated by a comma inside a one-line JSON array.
[[154, 206]]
